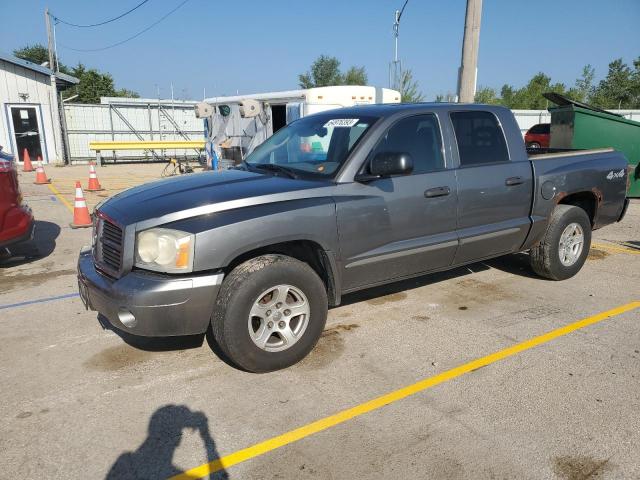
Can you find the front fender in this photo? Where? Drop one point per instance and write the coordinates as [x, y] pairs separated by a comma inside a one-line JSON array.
[[224, 236]]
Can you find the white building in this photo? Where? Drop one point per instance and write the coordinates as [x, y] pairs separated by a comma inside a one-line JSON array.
[[27, 109]]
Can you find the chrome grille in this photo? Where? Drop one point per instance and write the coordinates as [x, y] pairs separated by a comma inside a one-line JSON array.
[[110, 245]]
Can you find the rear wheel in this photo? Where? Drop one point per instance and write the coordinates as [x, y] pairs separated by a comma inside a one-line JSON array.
[[533, 145], [565, 245], [269, 313]]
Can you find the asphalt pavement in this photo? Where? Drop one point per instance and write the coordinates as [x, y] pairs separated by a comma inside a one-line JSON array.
[[81, 401]]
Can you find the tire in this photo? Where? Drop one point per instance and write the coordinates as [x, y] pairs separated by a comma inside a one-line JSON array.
[[237, 331], [546, 258], [533, 145]]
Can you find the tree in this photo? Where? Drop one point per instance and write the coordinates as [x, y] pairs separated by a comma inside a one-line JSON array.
[[530, 96], [620, 88], [408, 88], [635, 84], [38, 54], [487, 95], [356, 76], [125, 92], [93, 83], [507, 95], [583, 89], [325, 71]]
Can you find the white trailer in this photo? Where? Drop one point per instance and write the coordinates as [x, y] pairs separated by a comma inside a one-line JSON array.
[[235, 125]]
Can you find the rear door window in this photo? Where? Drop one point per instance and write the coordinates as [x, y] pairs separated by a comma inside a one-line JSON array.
[[479, 137]]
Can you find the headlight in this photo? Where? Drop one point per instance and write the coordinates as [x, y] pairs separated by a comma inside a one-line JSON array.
[[165, 250]]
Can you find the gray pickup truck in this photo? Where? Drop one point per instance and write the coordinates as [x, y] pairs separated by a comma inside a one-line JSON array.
[[333, 203]]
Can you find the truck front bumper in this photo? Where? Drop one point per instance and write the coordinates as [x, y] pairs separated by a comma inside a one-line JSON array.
[[149, 304]]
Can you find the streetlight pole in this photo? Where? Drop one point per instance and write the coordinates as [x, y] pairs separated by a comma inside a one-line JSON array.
[[467, 74], [395, 69]]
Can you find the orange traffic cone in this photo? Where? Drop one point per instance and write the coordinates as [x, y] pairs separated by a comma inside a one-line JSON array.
[[81, 217], [41, 177], [94, 184], [26, 161]]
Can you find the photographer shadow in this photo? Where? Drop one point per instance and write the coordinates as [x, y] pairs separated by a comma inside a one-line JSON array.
[[154, 458]]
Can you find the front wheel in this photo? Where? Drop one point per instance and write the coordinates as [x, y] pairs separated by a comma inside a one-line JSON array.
[[565, 245], [269, 313]]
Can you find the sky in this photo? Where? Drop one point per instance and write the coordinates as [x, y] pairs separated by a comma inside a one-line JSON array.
[[247, 46]]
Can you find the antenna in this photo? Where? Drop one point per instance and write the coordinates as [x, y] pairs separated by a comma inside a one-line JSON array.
[[395, 68]]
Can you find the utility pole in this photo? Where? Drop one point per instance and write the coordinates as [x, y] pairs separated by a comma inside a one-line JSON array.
[[56, 115], [468, 72], [47, 19]]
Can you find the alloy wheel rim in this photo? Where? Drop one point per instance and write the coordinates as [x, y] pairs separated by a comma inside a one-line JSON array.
[[278, 318], [571, 244]]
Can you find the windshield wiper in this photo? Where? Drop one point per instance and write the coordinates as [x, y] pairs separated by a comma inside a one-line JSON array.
[[274, 167]]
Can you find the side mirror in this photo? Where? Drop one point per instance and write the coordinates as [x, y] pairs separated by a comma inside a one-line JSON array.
[[385, 164]]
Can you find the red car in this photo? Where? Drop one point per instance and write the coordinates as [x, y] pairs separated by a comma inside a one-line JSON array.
[[16, 219], [538, 136]]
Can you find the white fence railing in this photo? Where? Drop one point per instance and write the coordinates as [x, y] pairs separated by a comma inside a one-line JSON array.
[[130, 121]]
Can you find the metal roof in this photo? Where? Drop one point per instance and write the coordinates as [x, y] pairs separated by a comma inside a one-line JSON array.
[[62, 79]]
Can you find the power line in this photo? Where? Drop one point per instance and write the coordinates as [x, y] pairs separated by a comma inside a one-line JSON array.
[[402, 10], [59, 20], [127, 39]]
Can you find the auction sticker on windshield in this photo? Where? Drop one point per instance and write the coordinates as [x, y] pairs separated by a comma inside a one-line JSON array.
[[341, 122]]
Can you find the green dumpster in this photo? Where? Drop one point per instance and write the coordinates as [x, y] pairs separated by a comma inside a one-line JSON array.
[[577, 125]]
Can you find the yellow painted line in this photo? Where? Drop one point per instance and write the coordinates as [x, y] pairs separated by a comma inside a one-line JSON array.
[[379, 402], [615, 248], [59, 196]]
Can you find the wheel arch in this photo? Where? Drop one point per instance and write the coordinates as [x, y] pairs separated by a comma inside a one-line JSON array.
[[322, 261], [588, 201]]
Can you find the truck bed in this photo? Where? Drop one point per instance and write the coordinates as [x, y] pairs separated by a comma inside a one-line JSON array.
[[559, 174]]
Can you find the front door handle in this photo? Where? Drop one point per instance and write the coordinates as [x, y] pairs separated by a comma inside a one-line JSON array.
[[509, 182], [437, 192]]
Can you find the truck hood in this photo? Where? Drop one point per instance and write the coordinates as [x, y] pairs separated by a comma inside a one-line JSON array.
[[196, 194]]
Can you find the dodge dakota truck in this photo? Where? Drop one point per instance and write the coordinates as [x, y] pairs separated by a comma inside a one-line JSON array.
[[333, 203]]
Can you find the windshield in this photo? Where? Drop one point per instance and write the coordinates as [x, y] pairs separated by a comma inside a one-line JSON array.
[[317, 145]]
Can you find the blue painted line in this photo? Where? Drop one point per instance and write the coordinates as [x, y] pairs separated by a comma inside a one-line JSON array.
[[40, 300]]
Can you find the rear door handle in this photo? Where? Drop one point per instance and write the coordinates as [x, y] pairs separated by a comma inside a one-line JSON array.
[[437, 192], [513, 181]]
